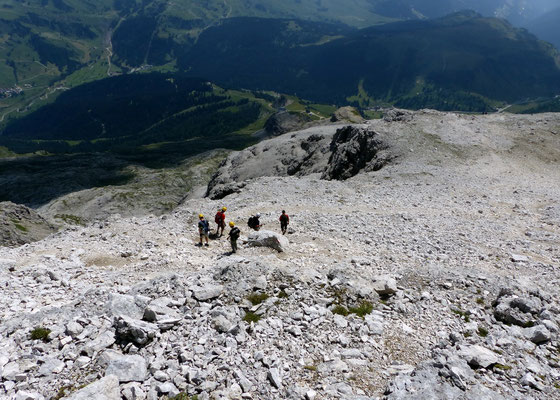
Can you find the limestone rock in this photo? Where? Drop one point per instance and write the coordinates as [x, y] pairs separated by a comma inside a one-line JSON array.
[[106, 388], [385, 285], [477, 356], [207, 292], [269, 239], [128, 368], [136, 331]]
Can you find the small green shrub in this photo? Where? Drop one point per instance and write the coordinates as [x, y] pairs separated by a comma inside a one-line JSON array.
[[340, 310], [70, 219], [40, 333], [184, 396], [257, 298], [363, 309], [310, 368], [502, 367], [283, 295], [251, 317], [463, 314], [480, 301], [482, 331]]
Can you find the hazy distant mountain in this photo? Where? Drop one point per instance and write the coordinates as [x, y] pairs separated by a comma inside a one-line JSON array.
[[547, 27], [516, 11]]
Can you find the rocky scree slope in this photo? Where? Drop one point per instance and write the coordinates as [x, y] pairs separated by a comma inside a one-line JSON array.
[[436, 276]]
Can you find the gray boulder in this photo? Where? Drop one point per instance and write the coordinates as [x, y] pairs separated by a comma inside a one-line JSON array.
[[124, 305], [207, 292], [102, 341], [478, 356], [128, 368], [158, 311], [385, 285], [132, 330], [104, 389], [515, 310], [269, 239], [538, 334]]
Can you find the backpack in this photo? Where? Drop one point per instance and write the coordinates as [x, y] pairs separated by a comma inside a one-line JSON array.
[[205, 226], [235, 232], [219, 217], [284, 218], [251, 222]]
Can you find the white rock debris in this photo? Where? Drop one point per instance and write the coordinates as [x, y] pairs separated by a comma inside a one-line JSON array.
[[436, 277]]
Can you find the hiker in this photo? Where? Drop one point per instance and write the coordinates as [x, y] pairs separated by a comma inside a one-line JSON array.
[[203, 228], [284, 221], [233, 236], [220, 220], [254, 222]]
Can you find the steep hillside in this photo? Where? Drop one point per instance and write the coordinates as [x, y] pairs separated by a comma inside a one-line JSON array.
[[457, 62], [434, 277], [132, 112], [51, 45]]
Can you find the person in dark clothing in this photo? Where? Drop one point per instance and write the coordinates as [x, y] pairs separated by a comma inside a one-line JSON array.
[[254, 222], [203, 229], [233, 236], [284, 221]]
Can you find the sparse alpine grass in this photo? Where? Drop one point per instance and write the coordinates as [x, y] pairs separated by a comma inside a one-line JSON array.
[[40, 333]]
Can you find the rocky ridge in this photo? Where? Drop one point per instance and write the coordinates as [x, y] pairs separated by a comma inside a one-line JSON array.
[[436, 276]]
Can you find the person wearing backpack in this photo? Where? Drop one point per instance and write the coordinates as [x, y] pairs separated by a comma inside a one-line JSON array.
[[233, 236], [284, 221], [254, 222], [220, 220], [203, 229]]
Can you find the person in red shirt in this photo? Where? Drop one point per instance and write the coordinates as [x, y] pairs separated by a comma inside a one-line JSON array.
[[284, 221], [220, 220]]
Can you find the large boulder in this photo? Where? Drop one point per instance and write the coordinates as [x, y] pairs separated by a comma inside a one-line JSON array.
[[385, 285], [268, 239], [353, 149], [133, 330], [478, 356], [127, 368], [120, 304], [104, 389]]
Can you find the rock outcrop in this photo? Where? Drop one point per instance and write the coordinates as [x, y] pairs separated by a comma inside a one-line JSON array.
[[354, 149], [20, 224], [336, 152]]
